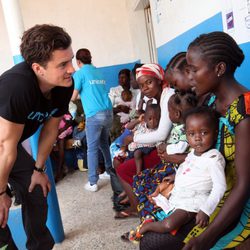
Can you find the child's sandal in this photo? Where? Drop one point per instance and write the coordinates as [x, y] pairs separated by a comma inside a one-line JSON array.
[[135, 236]]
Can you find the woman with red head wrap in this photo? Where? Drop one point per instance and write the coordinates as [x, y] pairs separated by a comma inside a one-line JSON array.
[[150, 78]]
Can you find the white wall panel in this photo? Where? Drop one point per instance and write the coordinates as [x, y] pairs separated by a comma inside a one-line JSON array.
[[173, 17], [112, 30]]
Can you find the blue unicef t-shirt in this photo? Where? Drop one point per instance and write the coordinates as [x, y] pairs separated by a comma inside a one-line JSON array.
[[91, 85]]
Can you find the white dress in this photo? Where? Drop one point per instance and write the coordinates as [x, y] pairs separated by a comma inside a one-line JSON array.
[[200, 183]]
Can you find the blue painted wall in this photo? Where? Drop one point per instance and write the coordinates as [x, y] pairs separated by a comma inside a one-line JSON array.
[[180, 43], [111, 73], [243, 72]]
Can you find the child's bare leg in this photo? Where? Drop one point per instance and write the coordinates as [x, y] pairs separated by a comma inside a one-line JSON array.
[[177, 219], [138, 156]]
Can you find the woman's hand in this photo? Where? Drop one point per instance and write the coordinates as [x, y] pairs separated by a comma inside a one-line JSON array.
[[197, 244], [175, 158], [201, 242], [165, 157], [128, 139], [169, 179], [162, 188], [121, 108], [141, 117], [154, 194], [161, 149], [124, 109]]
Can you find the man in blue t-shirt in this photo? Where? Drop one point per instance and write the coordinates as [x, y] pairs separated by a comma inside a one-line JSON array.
[[91, 86], [34, 92]]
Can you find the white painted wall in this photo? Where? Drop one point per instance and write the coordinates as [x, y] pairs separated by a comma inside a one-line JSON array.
[[5, 52], [172, 18], [136, 19], [112, 30]]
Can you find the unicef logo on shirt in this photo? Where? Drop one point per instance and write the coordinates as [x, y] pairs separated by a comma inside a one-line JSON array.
[[39, 116], [96, 81]]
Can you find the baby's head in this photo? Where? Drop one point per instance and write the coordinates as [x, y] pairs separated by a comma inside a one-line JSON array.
[[201, 128], [152, 116], [126, 95], [179, 103]]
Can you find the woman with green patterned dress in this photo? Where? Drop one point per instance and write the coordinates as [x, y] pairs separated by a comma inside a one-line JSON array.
[[213, 59]]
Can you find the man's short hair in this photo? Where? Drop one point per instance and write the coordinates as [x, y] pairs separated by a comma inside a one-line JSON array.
[[39, 42]]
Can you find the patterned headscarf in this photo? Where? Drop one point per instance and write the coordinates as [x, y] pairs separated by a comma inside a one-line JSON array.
[[151, 69]]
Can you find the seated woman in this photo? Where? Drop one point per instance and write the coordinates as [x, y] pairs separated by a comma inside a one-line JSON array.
[[213, 59], [150, 78], [123, 101], [176, 75]]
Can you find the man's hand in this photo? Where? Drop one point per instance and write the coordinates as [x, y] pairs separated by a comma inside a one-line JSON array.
[[5, 203], [202, 219], [41, 179]]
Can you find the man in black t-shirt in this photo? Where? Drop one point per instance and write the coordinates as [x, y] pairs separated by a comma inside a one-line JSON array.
[[34, 92]]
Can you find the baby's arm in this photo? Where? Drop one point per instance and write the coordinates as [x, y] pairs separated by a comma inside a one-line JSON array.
[[131, 125], [217, 172], [202, 219]]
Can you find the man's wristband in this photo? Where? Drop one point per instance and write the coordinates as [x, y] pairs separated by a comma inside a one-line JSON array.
[[3, 192], [40, 169]]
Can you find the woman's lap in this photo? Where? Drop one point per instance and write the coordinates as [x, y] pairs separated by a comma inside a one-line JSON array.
[[127, 169], [145, 184], [160, 241], [164, 241]]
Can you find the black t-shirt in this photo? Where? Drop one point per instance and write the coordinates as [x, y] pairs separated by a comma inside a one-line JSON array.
[[21, 100]]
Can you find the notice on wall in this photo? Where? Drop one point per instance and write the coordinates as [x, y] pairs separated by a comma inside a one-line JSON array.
[[236, 19]]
